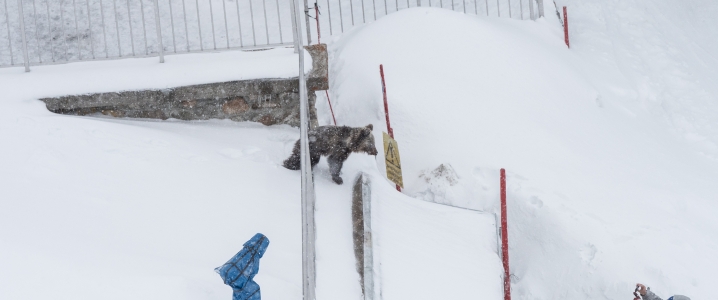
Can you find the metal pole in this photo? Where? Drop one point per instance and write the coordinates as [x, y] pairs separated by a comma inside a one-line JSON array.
[[505, 238], [129, 21], [266, 24], [308, 229], [295, 30], [77, 30], [89, 28], [329, 11], [251, 18], [49, 30], [211, 20], [117, 27], [199, 27], [172, 25], [531, 10], [306, 19], [9, 37], [144, 26], [239, 23], [540, 8], [521, 5], [226, 27], [37, 40], [279, 20], [104, 32], [368, 244], [186, 31], [161, 49], [24, 38]]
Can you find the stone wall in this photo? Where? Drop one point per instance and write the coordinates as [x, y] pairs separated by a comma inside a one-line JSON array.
[[267, 101]]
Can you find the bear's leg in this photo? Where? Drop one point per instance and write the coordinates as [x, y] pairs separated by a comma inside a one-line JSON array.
[[335, 168], [294, 160], [315, 159]]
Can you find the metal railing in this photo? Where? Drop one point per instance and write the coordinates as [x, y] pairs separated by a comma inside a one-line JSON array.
[[39, 32]]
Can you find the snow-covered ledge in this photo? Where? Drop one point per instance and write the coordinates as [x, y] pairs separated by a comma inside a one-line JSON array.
[[267, 101]]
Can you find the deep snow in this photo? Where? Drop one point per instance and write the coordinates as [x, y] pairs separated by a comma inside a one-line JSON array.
[[610, 160]]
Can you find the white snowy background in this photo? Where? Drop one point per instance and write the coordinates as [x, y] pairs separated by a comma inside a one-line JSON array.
[[611, 149]]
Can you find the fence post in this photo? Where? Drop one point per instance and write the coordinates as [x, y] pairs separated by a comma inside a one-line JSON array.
[[368, 245], [159, 32], [25, 55], [531, 9], [505, 238], [565, 27], [295, 30], [306, 18], [540, 8]]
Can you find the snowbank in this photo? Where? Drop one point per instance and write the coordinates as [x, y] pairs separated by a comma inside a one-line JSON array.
[[602, 195]]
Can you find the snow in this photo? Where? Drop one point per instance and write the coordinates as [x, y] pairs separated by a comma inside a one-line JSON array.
[[609, 149]]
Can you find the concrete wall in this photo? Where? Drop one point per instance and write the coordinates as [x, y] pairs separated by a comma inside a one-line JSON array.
[[267, 101]]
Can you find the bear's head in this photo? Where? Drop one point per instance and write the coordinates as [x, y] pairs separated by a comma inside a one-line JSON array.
[[365, 141]]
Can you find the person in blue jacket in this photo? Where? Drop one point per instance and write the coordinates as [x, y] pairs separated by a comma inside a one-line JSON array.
[[646, 294]]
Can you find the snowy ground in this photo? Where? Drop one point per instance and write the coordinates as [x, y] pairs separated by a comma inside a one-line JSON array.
[[609, 146]]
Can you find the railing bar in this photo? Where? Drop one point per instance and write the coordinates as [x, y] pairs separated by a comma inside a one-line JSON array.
[[521, 5], [266, 25], [452, 5], [386, 9], [89, 28], [186, 31], [9, 37], [172, 24], [129, 21], [211, 20], [373, 5], [199, 26], [351, 9], [279, 20], [251, 15], [144, 27], [104, 32], [239, 23], [476, 7], [509, 9], [363, 17], [77, 30], [23, 34], [62, 20], [464, 1], [341, 16], [49, 31], [498, 7], [37, 40], [407, 4], [487, 7], [117, 27], [226, 27], [158, 29]]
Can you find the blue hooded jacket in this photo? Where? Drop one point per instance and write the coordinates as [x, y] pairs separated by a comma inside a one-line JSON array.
[[239, 271]]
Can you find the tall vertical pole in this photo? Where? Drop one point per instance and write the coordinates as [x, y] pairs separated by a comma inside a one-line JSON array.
[[386, 110], [295, 26], [161, 46], [25, 56], [306, 18], [540, 8], [565, 27], [308, 228], [505, 239]]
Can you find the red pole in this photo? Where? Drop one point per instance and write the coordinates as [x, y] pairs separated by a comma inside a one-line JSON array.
[[565, 26], [319, 33], [386, 109], [505, 239]]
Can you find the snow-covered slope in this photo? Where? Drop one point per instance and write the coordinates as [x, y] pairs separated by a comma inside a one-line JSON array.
[[609, 148], [602, 193]]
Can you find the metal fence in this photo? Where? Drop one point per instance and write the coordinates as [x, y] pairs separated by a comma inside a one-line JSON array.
[[58, 31]]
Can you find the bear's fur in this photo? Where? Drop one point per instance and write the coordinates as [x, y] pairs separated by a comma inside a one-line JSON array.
[[336, 143]]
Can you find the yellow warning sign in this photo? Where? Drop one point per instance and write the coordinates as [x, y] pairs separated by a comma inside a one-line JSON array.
[[393, 162]]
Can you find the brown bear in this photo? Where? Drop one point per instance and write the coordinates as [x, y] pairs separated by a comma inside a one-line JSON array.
[[336, 143]]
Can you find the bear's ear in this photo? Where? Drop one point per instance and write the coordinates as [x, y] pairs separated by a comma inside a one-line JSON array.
[[370, 126]]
